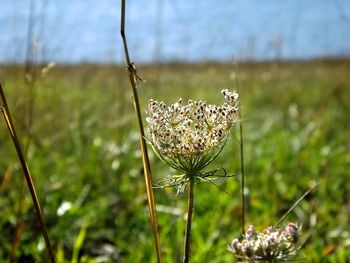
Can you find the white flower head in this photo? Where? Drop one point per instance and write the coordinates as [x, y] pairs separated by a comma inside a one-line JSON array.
[[272, 244], [189, 136]]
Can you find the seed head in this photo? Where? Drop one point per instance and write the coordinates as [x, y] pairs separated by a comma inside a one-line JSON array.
[[189, 136]]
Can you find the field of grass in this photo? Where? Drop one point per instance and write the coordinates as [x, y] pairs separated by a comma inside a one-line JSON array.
[[85, 159]]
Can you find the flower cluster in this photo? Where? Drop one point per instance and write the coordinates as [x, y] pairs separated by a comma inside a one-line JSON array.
[[189, 136], [272, 244]]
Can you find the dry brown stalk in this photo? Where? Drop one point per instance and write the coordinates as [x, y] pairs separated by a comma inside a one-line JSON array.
[[28, 177], [134, 79]]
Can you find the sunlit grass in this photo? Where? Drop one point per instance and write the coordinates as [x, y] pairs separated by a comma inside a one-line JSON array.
[[85, 151]]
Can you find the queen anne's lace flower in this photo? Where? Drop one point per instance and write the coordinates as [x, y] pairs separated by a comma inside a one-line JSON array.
[[270, 245], [189, 136]]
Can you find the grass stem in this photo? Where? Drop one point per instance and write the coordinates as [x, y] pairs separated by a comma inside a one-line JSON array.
[[297, 203], [145, 159], [40, 215]]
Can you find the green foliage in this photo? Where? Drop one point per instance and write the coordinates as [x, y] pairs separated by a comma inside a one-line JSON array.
[[85, 159]]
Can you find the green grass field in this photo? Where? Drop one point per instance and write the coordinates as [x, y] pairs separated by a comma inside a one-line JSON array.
[[84, 156]]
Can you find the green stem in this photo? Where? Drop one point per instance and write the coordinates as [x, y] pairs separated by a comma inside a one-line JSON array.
[[242, 173], [241, 144], [189, 221]]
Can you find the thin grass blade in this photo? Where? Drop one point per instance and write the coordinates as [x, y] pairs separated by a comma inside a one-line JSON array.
[[296, 203]]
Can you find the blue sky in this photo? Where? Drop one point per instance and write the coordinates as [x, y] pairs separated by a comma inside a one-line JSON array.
[[88, 31]]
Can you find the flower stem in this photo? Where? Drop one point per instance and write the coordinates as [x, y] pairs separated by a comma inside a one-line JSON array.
[[189, 221], [242, 173], [241, 144]]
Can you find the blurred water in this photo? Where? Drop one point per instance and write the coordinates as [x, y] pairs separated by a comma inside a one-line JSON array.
[[75, 31]]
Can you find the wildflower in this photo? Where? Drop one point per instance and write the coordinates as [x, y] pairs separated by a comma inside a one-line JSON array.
[[269, 245], [189, 136]]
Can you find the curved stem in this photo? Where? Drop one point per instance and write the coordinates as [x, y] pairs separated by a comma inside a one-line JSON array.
[[6, 113], [189, 221]]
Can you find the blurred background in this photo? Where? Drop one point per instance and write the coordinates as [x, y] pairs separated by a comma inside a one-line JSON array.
[[174, 30], [62, 67]]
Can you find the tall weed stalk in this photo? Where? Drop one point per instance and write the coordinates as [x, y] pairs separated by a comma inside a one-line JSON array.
[[134, 81], [241, 144], [28, 177]]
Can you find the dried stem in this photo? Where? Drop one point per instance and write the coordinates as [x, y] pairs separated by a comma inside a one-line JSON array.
[[189, 220], [146, 164], [12, 131]]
